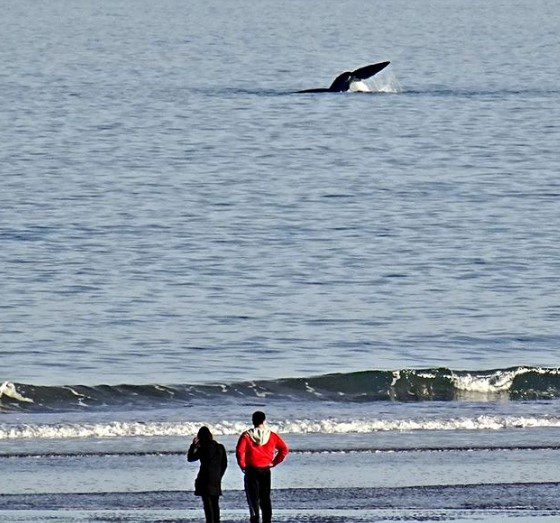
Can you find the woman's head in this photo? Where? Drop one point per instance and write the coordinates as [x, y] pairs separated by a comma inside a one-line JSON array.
[[204, 435]]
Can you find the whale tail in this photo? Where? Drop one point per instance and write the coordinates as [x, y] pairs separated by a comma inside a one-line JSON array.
[[343, 81]]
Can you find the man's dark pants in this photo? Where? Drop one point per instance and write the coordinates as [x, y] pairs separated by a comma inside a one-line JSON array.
[[257, 489]]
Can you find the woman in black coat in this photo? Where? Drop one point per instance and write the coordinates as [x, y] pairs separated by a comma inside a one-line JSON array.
[[213, 464]]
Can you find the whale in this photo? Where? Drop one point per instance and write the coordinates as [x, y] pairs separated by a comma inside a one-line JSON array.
[[350, 80]]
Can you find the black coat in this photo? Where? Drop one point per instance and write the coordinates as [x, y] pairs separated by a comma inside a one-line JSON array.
[[213, 464]]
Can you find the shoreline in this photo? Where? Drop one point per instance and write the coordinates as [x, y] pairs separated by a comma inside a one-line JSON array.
[[436, 503]]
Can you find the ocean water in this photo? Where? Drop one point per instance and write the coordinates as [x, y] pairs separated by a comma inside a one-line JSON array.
[[183, 239]]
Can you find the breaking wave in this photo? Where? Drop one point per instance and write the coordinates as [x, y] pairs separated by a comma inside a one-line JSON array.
[[408, 385], [302, 426]]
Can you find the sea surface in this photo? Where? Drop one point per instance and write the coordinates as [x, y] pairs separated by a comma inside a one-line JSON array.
[[184, 239]]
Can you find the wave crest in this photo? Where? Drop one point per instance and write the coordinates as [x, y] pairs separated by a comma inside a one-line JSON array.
[[527, 383]]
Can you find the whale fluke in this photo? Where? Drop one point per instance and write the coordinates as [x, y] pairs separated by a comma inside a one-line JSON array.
[[343, 81]]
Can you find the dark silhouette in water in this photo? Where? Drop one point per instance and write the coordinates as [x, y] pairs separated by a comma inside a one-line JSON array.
[[213, 464], [343, 81]]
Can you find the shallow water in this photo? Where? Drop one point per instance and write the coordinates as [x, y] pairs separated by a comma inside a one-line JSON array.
[[328, 486]]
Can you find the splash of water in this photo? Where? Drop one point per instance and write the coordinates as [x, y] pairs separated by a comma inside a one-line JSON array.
[[387, 83]]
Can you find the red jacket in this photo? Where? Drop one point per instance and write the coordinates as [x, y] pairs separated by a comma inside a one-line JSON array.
[[251, 454]]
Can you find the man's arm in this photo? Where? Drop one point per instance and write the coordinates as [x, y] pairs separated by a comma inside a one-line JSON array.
[[282, 451], [240, 452]]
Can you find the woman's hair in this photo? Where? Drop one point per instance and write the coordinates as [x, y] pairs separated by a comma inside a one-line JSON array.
[[204, 435]]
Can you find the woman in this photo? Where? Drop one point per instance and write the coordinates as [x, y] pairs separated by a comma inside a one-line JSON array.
[[213, 464]]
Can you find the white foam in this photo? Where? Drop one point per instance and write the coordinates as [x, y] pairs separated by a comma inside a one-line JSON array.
[[494, 382], [259, 393], [324, 426], [112, 430], [311, 390], [9, 389], [359, 87]]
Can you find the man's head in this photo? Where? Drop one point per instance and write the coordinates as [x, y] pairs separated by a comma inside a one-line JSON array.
[[258, 418]]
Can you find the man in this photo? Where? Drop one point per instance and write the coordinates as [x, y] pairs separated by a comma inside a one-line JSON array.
[[258, 450]]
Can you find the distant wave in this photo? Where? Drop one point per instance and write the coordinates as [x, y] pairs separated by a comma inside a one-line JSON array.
[[119, 429], [407, 385]]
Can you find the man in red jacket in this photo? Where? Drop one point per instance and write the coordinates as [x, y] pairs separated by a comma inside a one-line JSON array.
[[258, 450]]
